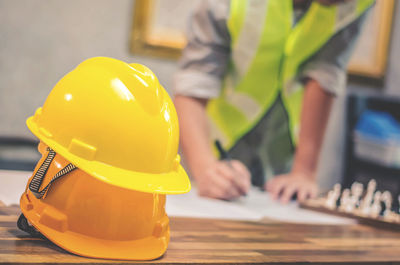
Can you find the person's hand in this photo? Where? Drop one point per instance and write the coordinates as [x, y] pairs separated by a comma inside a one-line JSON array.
[[283, 187], [223, 180]]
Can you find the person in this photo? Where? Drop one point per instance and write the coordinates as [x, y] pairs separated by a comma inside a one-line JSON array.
[[261, 76]]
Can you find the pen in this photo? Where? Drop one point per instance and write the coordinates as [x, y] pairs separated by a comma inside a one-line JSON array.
[[224, 155]]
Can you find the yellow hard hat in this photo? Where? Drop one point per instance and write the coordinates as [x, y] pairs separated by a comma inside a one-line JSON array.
[[109, 140], [114, 121], [89, 217]]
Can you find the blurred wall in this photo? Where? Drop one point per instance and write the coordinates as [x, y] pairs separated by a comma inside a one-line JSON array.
[[392, 86], [331, 160], [42, 40]]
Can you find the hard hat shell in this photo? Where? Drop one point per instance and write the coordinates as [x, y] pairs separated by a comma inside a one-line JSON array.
[[89, 217], [114, 121]]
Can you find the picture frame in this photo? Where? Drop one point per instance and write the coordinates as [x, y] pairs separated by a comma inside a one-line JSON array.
[[372, 50], [159, 27], [159, 31]]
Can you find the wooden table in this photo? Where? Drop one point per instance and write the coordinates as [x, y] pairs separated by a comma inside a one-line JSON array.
[[227, 242]]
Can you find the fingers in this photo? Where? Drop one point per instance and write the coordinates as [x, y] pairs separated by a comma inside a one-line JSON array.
[[224, 180], [270, 184], [288, 192], [309, 191], [284, 187], [220, 189], [306, 193], [302, 195], [238, 180], [241, 168], [275, 187], [243, 179], [218, 186]]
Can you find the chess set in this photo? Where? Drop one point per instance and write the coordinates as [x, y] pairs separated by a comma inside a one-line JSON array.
[[369, 206]]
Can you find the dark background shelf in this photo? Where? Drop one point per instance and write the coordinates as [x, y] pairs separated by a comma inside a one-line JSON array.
[[362, 170]]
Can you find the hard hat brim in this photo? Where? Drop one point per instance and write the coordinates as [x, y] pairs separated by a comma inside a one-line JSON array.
[[173, 182], [148, 248]]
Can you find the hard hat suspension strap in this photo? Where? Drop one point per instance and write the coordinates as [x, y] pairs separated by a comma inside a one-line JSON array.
[[24, 225], [37, 179]]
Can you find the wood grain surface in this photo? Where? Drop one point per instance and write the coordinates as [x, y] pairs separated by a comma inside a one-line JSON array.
[[206, 241]]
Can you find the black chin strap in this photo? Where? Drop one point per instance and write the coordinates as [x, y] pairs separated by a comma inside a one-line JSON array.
[[37, 179], [24, 225]]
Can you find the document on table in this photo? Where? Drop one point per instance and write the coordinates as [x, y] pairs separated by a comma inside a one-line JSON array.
[[12, 185], [253, 207]]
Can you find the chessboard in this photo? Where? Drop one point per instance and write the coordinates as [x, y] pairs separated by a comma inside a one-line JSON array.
[[368, 206]]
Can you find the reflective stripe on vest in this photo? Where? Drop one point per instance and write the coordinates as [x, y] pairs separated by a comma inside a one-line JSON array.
[[266, 54]]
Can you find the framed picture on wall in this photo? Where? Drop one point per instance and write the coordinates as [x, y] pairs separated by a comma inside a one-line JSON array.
[[371, 52], [159, 27], [159, 30]]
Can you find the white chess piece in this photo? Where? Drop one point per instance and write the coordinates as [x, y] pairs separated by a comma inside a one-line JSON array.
[[332, 197], [357, 189], [344, 199], [354, 199], [387, 200], [329, 200], [388, 214], [398, 199], [372, 185], [337, 187], [365, 205], [376, 205], [397, 214]]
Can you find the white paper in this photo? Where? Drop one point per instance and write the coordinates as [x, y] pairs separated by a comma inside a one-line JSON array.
[[253, 207], [12, 185], [191, 205]]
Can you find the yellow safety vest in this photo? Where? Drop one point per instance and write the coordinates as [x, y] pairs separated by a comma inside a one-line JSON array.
[[266, 55]]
